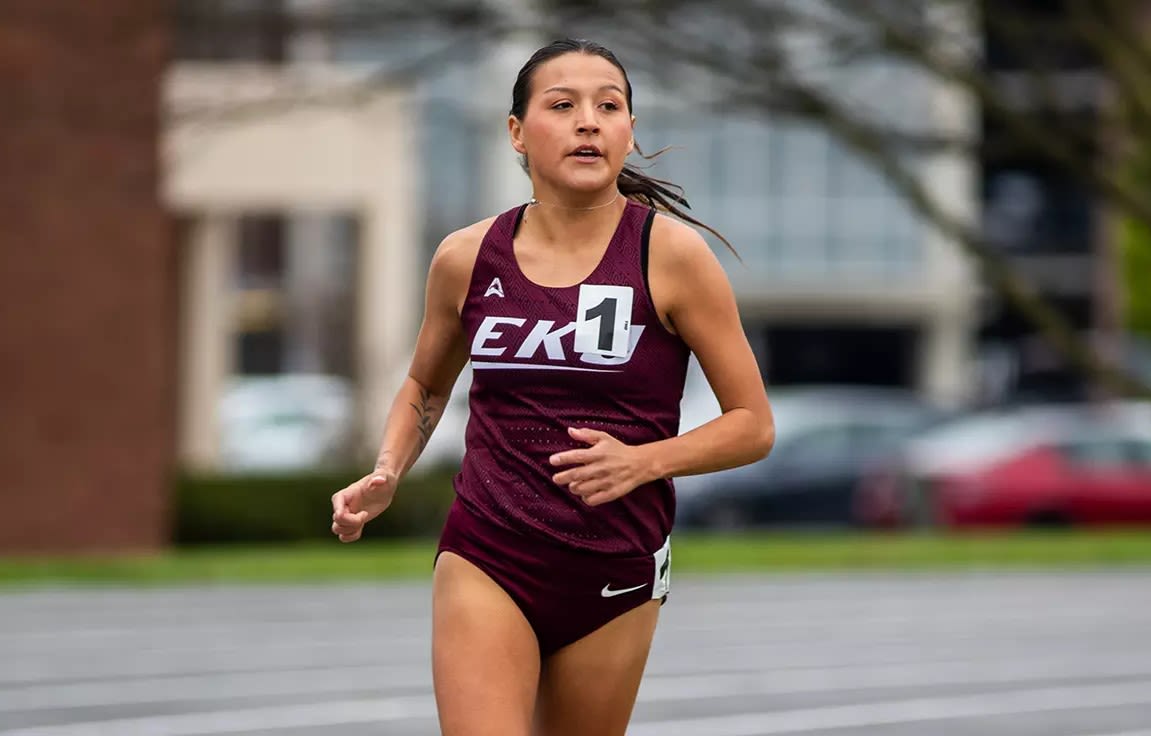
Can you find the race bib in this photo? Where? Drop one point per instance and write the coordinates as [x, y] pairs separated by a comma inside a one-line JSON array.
[[603, 320]]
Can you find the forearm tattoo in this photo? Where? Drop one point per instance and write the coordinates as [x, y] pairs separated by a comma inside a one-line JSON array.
[[427, 415]]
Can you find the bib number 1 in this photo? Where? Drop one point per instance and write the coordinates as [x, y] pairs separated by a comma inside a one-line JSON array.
[[603, 320]]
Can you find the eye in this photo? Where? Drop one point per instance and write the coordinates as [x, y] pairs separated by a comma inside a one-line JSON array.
[[610, 106], [561, 105]]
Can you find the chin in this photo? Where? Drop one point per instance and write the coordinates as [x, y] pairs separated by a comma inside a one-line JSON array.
[[588, 184]]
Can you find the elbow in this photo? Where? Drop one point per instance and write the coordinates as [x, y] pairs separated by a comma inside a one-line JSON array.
[[765, 440], [760, 438]]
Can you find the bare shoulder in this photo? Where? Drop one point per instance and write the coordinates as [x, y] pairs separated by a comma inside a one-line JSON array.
[[677, 249], [456, 254], [450, 271], [681, 269]]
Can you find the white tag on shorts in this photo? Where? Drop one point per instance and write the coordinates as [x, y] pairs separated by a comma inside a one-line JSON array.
[[661, 585], [603, 320]]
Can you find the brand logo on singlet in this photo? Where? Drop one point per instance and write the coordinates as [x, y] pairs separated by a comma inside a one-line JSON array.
[[495, 288]]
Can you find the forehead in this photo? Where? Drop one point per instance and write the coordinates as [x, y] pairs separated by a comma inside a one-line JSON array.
[[578, 71]]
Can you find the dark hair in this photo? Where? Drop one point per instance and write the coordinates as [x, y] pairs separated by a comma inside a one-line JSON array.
[[632, 183]]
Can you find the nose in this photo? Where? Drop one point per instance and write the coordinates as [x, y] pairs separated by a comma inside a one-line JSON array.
[[588, 121]]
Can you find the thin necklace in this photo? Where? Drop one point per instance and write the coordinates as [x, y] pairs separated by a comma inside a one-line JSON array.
[[534, 201]]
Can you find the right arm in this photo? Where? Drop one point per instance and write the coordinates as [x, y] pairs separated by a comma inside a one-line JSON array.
[[440, 354]]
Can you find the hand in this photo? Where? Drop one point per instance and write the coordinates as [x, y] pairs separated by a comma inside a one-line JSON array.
[[605, 471], [361, 502]]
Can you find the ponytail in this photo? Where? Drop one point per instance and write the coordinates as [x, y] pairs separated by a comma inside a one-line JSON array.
[[661, 195]]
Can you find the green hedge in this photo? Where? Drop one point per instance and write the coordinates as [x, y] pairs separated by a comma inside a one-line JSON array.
[[298, 507]]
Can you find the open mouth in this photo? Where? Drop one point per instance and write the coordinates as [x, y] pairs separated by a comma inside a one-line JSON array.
[[587, 152]]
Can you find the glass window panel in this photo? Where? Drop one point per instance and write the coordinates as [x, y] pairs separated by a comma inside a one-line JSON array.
[[851, 175], [860, 218], [744, 157], [803, 158]]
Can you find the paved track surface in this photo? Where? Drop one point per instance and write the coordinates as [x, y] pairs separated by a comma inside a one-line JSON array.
[[1041, 654]]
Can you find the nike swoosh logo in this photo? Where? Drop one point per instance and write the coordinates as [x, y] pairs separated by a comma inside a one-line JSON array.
[[607, 592]]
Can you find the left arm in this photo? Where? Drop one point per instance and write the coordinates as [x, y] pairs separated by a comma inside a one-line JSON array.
[[690, 287], [703, 308]]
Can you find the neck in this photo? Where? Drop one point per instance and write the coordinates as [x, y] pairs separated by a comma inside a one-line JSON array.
[[578, 204], [571, 224]]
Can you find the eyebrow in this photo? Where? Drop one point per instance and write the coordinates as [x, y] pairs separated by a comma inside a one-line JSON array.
[[572, 91]]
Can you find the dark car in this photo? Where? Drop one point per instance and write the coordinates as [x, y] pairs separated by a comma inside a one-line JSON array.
[[825, 437]]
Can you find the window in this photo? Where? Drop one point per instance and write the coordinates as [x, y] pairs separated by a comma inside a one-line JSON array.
[[1025, 33], [1029, 209], [872, 230], [1104, 453], [260, 353], [261, 251], [295, 292], [821, 445], [1139, 452], [874, 439]]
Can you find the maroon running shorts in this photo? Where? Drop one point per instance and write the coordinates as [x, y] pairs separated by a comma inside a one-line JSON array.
[[564, 594]]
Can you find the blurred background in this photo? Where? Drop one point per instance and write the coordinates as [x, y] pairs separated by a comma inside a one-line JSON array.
[[218, 216]]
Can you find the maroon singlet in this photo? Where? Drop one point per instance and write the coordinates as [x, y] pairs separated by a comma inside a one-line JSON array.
[[530, 384]]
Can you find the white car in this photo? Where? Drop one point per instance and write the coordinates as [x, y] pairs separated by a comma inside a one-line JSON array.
[[285, 422]]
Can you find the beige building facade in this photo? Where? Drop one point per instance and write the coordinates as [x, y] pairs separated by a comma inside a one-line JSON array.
[[249, 138]]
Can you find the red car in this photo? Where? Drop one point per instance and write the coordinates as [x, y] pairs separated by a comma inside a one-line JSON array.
[[1042, 467]]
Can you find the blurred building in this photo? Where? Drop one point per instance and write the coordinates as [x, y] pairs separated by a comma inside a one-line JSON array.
[[297, 189], [1042, 216], [87, 278], [312, 204], [255, 201], [840, 281]]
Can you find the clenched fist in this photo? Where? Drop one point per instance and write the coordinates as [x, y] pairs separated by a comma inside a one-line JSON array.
[[361, 502]]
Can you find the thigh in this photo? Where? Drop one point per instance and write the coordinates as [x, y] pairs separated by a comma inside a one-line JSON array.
[[485, 659], [590, 686]]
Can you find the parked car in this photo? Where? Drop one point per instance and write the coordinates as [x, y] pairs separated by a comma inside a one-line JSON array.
[[1036, 466], [825, 436], [285, 422]]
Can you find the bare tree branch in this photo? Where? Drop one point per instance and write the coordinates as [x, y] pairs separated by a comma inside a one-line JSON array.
[[869, 144], [1025, 127], [1127, 70], [781, 59], [1128, 21]]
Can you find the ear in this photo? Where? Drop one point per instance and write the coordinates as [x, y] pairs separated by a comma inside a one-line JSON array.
[[516, 134]]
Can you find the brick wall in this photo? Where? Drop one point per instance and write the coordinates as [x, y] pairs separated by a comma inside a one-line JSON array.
[[87, 278]]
